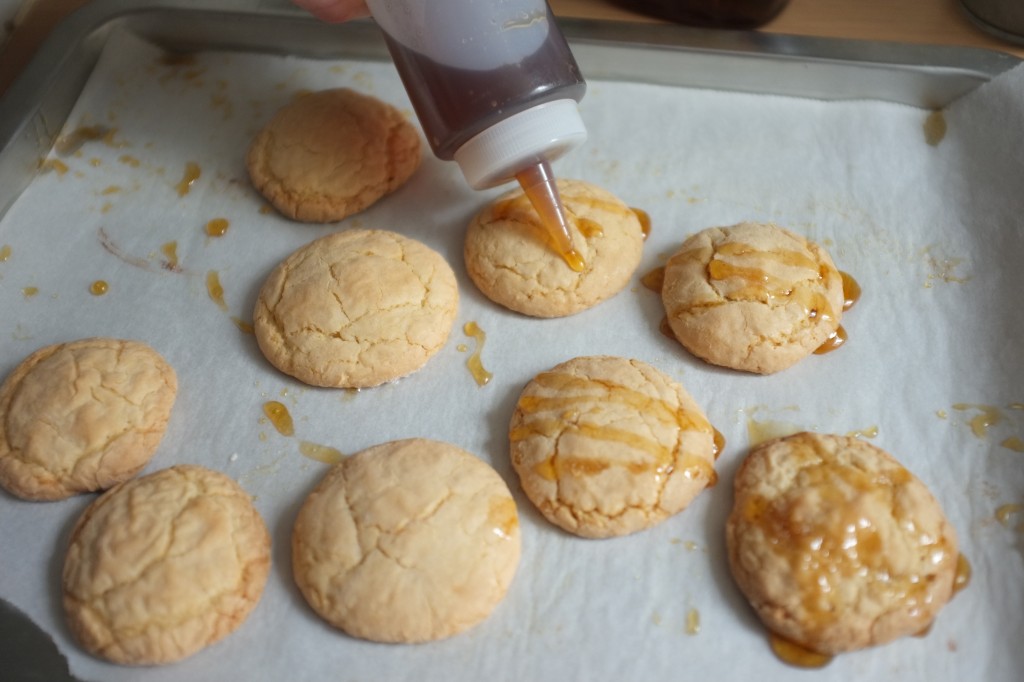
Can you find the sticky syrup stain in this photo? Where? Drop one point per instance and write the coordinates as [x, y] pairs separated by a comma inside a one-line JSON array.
[[188, 177], [645, 221], [73, 141], [963, 574], [129, 160], [869, 432], [243, 326], [215, 290], [719, 443], [5, 253], [53, 166], [279, 416], [320, 453], [474, 363], [1005, 511], [935, 128], [655, 279], [170, 251], [29, 292], [218, 227], [692, 622], [795, 655], [834, 341], [1013, 443], [851, 290], [98, 288], [112, 189], [988, 415]]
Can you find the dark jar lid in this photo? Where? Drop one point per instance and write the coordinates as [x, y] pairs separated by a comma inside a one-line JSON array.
[[710, 13]]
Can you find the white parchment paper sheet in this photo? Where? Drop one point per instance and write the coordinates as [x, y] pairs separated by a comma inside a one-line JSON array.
[[934, 235]]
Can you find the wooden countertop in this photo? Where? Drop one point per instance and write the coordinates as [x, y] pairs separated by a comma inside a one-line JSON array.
[[941, 22]]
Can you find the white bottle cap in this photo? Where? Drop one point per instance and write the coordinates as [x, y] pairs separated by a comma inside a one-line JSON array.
[[546, 131]]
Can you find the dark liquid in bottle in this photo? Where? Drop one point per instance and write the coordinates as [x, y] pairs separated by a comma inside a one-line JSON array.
[[455, 104], [711, 13]]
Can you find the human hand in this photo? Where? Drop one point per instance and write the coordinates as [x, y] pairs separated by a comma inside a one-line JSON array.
[[335, 10]]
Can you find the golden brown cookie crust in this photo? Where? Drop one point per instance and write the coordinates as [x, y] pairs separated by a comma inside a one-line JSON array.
[[164, 565], [836, 545], [82, 416], [753, 296], [332, 153], [408, 541], [607, 446], [356, 309], [510, 260]]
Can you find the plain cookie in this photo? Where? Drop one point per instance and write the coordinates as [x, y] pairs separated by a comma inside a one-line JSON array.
[[162, 566], [356, 309], [753, 297], [82, 416], [332, 153], [509, 258], [836, 545], [408, 541], [606, 446]]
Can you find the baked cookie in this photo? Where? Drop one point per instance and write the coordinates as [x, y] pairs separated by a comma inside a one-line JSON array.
[[332, 153], [356, 309], [753, 297], [836, 545], [607, 446], [510, 259], [164, 565], [82, 416], [408, 541]]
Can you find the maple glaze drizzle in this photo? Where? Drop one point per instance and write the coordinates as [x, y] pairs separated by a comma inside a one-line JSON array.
[[279, 416], [551, 416], [188, 177], [474, 363], [215, 290], [98, 288]]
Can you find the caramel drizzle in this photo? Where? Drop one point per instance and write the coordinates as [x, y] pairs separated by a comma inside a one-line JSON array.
[[561, 414]]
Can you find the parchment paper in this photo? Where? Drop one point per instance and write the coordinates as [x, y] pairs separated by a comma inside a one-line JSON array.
[[933, 233]]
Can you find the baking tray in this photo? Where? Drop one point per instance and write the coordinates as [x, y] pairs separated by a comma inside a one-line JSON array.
[[36, 107]]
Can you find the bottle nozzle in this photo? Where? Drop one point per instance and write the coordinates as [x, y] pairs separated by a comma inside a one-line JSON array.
[[538, 182]]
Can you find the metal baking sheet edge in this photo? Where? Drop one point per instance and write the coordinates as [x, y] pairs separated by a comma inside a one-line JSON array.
[[37, 104]]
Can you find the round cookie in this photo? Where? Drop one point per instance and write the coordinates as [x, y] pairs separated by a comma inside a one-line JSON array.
[[82, 416], [509, 258], [164, 565], [332, 153], [836, 545], [409, 541], [753, 297], [606, 446], [356, 309]]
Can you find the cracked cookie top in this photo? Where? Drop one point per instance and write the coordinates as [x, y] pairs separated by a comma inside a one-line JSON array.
[[409, 541], [753, 296], [332, 153], [164, 565], [836, 545], [509, 257], [82, 416], [607, 446], [356, 309]]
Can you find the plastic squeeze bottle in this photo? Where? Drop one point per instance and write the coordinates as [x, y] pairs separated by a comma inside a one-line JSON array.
[[495, 88]]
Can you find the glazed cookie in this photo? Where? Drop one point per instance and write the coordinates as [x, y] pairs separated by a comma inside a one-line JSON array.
[[836, 545], [409, 541], [82, 416], [753, 297], [332, 153], [356, 309], [509, 258], [162, 566], [606, 446]]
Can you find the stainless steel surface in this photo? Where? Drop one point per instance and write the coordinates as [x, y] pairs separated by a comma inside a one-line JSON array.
[[37, 104]]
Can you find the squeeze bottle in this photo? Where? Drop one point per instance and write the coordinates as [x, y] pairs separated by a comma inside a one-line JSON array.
[[495, 88]]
